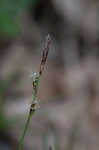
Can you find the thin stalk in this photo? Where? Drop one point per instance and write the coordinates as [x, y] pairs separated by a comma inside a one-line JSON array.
[[35, 83], [32, 111], [24, 133]]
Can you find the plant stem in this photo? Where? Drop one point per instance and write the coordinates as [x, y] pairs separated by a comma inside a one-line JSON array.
[[35, 83], [32, 111], [24, 133]]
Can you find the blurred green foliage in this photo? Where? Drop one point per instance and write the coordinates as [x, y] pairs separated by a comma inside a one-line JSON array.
[[9, 10], [4, 123]]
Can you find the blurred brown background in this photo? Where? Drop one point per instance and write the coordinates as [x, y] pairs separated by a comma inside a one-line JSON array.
[[68, 118]]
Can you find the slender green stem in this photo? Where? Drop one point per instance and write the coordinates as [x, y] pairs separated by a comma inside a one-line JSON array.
[[24, 133], [35, 82], [32, 111]]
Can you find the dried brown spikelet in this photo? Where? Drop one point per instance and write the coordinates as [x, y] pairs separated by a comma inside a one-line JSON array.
[[45, 53]]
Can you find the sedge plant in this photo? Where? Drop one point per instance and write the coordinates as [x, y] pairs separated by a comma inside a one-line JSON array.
[[35, 83]]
